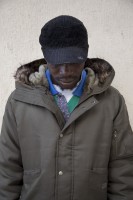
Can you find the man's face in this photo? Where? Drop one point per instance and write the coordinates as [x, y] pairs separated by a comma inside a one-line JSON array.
[[66, 75]]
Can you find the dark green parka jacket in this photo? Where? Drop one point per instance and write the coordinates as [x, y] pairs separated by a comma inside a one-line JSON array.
[[90, 157]]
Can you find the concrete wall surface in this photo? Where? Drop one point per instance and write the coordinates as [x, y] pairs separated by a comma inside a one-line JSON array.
[[110, 33]]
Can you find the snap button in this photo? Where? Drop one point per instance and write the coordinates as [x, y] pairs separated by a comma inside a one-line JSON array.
[[83, 107], [93, 102], [115, 134], [61, 135], [60, 173]]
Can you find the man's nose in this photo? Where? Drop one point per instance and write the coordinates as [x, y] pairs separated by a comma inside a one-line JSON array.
[[65, 68]]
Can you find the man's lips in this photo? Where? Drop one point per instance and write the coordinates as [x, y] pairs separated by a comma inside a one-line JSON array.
[[66, 80]]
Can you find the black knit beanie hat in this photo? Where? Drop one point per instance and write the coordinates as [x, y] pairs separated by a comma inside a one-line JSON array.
[[64, 39]]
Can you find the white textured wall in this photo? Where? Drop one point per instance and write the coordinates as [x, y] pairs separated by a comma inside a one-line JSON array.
[[110, 30]]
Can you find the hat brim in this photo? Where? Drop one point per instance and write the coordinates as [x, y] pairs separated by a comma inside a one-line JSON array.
[[65, 55]]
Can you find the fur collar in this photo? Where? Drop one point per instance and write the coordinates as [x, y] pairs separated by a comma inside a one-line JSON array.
[[98, 70]]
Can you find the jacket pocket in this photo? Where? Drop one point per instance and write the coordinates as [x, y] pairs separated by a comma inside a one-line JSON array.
[[31, 175], [98, 179], [31, 154]]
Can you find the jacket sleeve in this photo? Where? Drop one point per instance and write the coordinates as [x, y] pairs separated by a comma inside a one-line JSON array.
[[120, 178], [10, 157]]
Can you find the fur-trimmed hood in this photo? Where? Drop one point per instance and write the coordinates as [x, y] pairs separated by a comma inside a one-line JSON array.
[[99, 74]]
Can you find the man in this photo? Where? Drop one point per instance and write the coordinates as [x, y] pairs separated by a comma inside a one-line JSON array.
[[66, 133]]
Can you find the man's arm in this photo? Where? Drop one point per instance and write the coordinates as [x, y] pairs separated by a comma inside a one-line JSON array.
[[120, 180], [10, 157]]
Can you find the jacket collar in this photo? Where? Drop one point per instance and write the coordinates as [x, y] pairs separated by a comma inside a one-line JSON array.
[[99, 75]]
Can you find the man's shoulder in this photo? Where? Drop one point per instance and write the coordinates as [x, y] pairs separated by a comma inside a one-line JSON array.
[[113, 91], [113, 96]]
